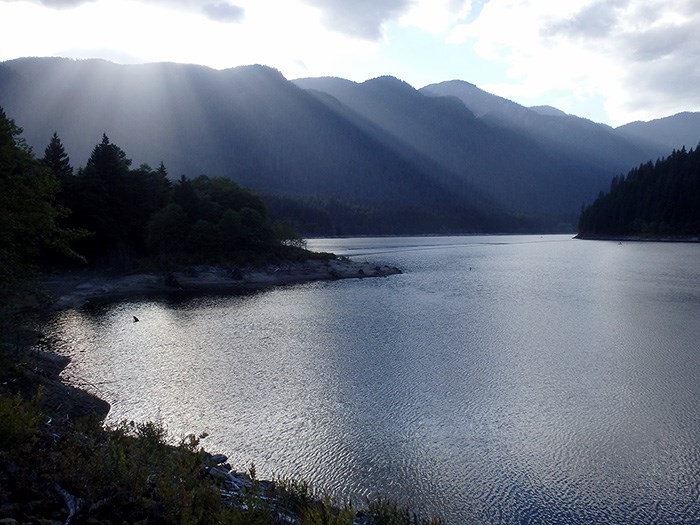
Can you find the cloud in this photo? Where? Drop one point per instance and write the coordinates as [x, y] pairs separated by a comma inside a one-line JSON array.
[[59, 4], [361, 18], [642, 57], [220, 11], [436, 16], [593, 21], [223, 12]]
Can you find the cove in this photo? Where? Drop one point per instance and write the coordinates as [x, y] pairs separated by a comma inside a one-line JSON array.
[[501, 379]]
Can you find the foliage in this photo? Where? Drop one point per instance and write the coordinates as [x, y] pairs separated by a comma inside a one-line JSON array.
[[211, 219], [135, 463], [388, 513], [56, 159], [655, 199], [132, 472], [136, 213], [19, 421], [114, 202], [323, 512], [29, 216]]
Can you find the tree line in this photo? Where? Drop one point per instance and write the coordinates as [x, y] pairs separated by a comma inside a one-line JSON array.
[[109, 213], [656, 199]]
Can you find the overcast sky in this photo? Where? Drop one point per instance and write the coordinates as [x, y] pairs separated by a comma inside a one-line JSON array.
[[612, 61]]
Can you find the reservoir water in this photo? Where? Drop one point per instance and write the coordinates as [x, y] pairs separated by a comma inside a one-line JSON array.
[[499, 380]]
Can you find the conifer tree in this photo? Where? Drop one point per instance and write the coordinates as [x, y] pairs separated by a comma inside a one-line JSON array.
[[57, 160], [29, 232], [108, 160]]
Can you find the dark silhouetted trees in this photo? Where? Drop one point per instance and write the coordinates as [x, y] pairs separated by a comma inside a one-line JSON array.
[[211, 218], [57, 160], [29, 216], [115, 215], [655, 199], [114, 203], [135, 213]]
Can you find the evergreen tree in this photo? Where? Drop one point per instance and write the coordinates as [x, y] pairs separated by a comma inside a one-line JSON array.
[[57, 160], [29, 231], [655, 199], [116, 203], [108, 160]]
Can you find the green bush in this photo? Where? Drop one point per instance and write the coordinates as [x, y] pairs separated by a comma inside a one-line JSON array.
[[19, 421]]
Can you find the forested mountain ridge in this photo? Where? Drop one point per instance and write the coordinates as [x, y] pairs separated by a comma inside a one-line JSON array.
[[329, 155], [595, 147], [505, 165], [251, 125], [660, 199], [668, 133]]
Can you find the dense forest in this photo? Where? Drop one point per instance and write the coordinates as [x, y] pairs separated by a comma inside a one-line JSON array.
[[656, 199], [110, 214], [378, 157]]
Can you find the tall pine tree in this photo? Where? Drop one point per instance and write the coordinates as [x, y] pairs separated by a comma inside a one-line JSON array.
[[57, 160], [29, 232]]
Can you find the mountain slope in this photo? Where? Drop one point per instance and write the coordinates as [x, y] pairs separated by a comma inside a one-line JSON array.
[[333, 155], [506, 165], [247, 123], [666, 134], [580, 141]]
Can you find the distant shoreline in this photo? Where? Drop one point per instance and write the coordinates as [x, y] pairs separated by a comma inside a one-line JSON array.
[[638, 238], [75, 289]]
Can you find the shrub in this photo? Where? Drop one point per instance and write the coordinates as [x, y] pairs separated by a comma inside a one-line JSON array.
[[19, 421]]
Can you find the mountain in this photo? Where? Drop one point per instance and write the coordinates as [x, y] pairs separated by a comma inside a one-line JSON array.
[[666, 134], [523, 171], [580, 141], [247, 123], [548, 110], [330, 155]]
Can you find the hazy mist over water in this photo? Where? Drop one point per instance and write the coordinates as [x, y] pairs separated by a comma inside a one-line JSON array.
[[503, 379]]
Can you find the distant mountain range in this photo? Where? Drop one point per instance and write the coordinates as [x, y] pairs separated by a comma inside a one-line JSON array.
[[339, 157]]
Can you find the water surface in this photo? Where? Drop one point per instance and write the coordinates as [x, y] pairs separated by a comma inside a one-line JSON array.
[[498, 380]]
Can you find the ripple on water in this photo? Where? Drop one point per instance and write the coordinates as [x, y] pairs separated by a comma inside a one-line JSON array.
[[554, 382]]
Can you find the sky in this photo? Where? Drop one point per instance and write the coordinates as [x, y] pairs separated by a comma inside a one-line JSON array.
[[612, 61]]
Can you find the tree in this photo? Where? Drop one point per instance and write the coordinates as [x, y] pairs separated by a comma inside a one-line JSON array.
[[661, 198], [167, 231], [108, 160], [57, 160], [29, 231], [116, 203]]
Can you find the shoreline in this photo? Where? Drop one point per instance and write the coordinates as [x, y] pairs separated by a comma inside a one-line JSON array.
[[637, 238], [285, 501], [76, 289]]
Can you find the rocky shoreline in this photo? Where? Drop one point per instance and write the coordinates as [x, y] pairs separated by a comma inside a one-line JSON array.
[[40, 370], [75, 289]]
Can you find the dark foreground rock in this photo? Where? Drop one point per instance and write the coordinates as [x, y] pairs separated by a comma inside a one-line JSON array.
[[41, 370]]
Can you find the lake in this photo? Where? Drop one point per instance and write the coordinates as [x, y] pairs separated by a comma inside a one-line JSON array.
[[498, 380]]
